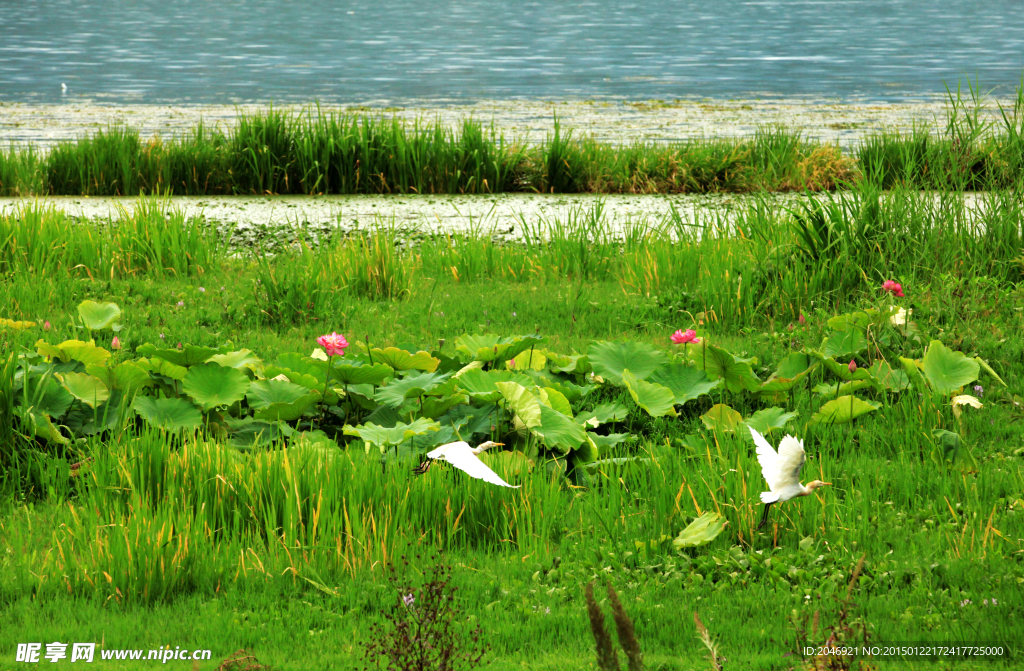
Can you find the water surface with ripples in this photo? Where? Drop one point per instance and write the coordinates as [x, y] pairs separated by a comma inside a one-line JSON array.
[[390, 51]]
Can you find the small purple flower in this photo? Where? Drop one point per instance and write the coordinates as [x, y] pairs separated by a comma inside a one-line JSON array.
[[979, 390], [408, 600]]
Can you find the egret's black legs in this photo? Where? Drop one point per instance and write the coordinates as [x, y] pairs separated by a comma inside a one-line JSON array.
[[422, 468], [764, 517]]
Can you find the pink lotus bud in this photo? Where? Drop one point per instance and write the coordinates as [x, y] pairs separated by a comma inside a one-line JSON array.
[[852, 366], [334, 344], [46, 326], [179, 345], [802, 320], [681, 337], [511, 363], [115, 343], [790, 327]]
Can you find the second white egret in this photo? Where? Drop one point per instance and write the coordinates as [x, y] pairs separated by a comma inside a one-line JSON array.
[[782, 471], [463, 457]]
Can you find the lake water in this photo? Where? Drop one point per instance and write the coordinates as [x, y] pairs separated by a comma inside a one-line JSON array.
[[392, 51]]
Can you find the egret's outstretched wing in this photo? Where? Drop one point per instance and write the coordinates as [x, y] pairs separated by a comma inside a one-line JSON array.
[[780, 469], [791, 459], [461, 457]]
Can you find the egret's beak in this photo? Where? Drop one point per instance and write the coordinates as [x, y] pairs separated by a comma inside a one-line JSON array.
[[502, 444], [826, 483]]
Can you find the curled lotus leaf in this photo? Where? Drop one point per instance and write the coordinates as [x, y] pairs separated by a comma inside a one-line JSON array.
[[702, 530], [492, 347], [73, 350]]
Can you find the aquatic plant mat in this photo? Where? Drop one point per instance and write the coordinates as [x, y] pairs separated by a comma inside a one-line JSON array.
[[180, 466], [976, 146]]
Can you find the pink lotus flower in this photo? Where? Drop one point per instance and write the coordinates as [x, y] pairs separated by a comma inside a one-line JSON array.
[[334, 344], [852, 366], [681, 337], [895, 288], [115, 343]]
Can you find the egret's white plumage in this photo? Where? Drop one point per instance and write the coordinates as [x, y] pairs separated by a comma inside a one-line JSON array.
[[463, 457], [782, 470]]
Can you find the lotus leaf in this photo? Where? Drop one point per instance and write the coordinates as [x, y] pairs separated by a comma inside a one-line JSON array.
[[842, 370], [792, 369], [767, 420], [168, 413], [988, 369], [47, 396], [686, 382], [128, 376], [99, 316], [436, 406], [606, 443], [947, 370], [16, 325], [288, 410], [721, 418], [528, 360], [410, 386], [247, 432], [655, 399], [187, 356], [602, 414], [40, 426], [242, 358], [702, 530], [211, 385], [609, 359], [73, 350], [520, 401], [886, 377], [843, 344], [843, 410], [383, 437], [264, 393], [841, 388], [735, 372], [88, 389], [492, 347], [555, 399], [400, 359], [161, 367], [350, 373]]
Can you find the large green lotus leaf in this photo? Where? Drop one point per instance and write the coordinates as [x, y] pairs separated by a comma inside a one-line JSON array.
[[508, 463], [303, 379], [574, 363], [606, 443], [912, 367], [400, 359], [211, 385], [844, 344], [767, 420], [686, 382], [241, 359], [358, 373], [73, 350], [792, 369], [247, 433], [854, 320], [657, 400], [988, 369], [98, 316], [88, 389], [47, 396], [721, 418], [168, 413], [843, 410], [492, 347], [559, 431], [842, 370], [303, 365], [841, 388], [107, 416], [886, 377], [288, 410], [702, 530], [587, 453], [16, 325], [187, 356], [555, 399], [410, 386], [264, 393], [481, 385], [602, 414], [384, 437], [39, 425], [947, 370], [522, 402], [720, 364], [127, 376], [610, 358], [161, 367], [528, 360], [560, 382], [436, 406]]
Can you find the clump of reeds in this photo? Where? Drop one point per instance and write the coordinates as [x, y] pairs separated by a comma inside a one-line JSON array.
[[607, 659]]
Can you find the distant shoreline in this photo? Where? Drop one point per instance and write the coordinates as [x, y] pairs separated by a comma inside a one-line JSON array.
[[616, 122]]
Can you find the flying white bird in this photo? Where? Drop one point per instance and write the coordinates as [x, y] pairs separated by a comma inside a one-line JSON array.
[[63, 87], [463, 457], [782, 471]]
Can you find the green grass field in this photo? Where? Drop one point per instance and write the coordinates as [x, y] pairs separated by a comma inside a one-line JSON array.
[[167, 490]]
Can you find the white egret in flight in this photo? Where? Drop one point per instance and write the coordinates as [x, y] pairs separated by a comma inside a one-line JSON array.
[[782, 471], [463, 457]]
